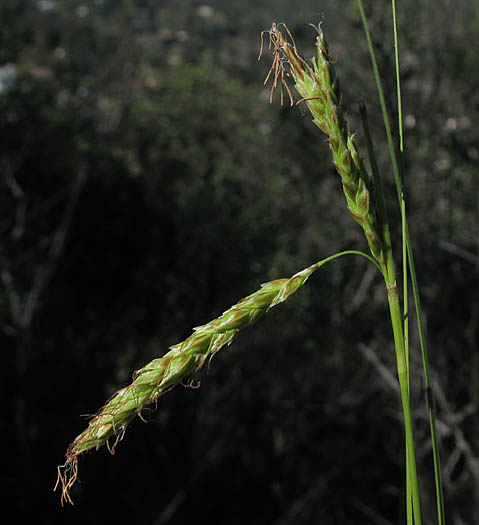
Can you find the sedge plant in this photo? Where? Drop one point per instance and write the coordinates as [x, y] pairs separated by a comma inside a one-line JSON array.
[[317, 85]]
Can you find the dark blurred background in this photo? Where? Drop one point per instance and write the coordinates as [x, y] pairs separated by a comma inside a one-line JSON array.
[[147, 184]]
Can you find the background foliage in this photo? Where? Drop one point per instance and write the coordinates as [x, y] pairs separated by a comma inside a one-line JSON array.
[[147, 184]]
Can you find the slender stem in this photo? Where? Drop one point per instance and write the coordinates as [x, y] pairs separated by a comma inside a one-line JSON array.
[[407, 249], [406, 344], [429, 395], [387, 241], [403, 236], [350, 252], [417, 302], [396, 317], [398, 78], [403, 200]]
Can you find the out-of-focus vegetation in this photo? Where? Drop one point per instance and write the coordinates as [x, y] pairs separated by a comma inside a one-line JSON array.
[[147, 184]]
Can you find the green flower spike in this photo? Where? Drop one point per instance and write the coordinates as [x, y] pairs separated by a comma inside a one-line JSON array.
[[318, 87]]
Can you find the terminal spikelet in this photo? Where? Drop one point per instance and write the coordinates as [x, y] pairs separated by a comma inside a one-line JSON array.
[[318, 87], [161, 375]]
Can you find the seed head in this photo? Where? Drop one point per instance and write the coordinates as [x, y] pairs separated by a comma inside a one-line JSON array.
[[318, 86], [159, 376]]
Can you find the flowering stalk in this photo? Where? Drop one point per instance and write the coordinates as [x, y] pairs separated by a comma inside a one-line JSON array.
[[318, 86], [161, 375]]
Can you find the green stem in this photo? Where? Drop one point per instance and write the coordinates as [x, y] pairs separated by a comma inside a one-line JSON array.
[[402, 355], [410, 259], [398, 78], [403, 201], [404, 241], [429, 395], [350, 252], [417, 302], [397, 324], [406, 345]]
